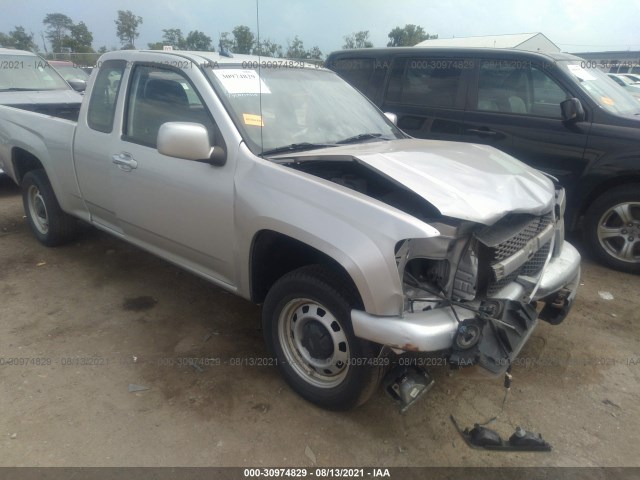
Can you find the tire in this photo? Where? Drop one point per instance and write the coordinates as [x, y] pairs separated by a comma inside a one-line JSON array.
[[306, 320], [612, 228], [50, 225]]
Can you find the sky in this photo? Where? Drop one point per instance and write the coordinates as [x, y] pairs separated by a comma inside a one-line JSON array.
[[574, 25]]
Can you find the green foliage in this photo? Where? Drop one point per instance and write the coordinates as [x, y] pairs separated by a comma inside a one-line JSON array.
[[18, 38], [80, 39], [408, 36], [244, 39], [127, 28], [198, 41], [226, 42], [58, 29], [174, 37], [357, 40], [267, 48], [296, 50]]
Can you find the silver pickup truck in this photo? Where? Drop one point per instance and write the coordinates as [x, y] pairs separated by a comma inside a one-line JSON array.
[[279, 182]]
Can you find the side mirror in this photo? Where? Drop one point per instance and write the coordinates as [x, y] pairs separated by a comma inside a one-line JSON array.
[[77, 84], [189, 141], [572, 110], [392, 117]]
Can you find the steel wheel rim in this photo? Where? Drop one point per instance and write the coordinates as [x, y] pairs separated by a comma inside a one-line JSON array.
[[298, 324], [38, 210], [619, 232]]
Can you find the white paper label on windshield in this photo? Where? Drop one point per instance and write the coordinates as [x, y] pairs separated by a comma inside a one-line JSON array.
[[580, 72], [241, 82]]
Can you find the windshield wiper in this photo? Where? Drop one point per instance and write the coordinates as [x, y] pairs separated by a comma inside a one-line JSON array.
[[296, 147], [361, 137]]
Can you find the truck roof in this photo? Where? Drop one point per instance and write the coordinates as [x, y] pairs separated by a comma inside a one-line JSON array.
[[199, 58], [472, 52]]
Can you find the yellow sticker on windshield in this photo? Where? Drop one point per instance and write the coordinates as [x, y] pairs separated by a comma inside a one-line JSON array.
[[607, 101], [253, 120]]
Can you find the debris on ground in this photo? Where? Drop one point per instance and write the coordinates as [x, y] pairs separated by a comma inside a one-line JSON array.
[[310, 455], [605, 295], [137, 388]]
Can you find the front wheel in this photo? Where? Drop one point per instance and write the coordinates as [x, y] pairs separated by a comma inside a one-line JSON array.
[[50, 225], [612, 228], [306, 320]]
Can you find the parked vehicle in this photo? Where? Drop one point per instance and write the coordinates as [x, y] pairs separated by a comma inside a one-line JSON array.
[[279, 182], [545, 109], [69, 70], [634, 77], [27, 82], [625, 82]]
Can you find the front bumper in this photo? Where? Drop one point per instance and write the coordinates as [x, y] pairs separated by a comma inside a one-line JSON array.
[[434, 330]]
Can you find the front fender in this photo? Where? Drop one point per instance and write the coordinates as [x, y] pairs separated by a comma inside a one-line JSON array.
[[358, 232]]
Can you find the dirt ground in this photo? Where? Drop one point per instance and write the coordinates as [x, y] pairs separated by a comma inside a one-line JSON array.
[[82, 324]]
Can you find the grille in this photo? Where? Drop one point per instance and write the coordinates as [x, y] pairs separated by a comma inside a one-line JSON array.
[[520, 239], [515, 243]]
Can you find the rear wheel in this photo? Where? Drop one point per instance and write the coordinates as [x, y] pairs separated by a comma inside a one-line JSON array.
[[612, 228], [307, 326], [50, 225]]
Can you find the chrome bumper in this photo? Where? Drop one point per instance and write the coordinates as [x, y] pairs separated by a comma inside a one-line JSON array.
[[434, 330]]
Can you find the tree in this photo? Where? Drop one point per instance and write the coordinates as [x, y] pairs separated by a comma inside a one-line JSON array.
[[80, 39], [226, 43], [315, 53], [198, 41], [127, 28], [408, 36], [156, 45], [174, 37], [295, 49], [357, 40], [244, 39], [267, 48], [58, 28], [103, 49], [18, 38]]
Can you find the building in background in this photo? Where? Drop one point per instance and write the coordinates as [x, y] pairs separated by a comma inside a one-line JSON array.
[[535, 42]]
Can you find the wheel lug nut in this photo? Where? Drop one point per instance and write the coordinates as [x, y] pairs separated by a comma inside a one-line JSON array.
[[631, 239]]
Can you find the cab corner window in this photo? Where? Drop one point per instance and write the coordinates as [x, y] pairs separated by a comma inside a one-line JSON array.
[[429, 82], [102, 105]]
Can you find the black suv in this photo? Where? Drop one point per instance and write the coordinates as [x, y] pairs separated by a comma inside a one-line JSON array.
[[548, 110]]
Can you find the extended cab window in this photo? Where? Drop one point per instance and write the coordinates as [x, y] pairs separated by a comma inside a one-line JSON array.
[[102, 106], [429, 82], [160, 95], [513, 86]]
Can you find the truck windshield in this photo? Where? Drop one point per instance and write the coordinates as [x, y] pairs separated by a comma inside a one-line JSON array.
[[286, 109], [604, 91], [28, 72]]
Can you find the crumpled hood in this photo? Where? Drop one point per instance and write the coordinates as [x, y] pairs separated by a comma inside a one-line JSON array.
[[462, 180]]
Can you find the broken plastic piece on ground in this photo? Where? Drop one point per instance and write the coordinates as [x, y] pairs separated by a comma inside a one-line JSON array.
[[520, 441], [405, 385], [137, 388]]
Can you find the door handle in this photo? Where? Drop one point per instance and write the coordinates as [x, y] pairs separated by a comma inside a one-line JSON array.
[[482, 133], [125, 161]]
